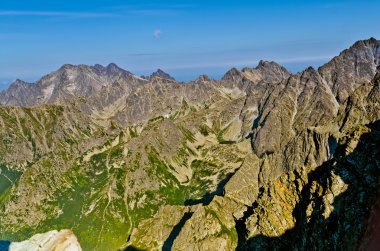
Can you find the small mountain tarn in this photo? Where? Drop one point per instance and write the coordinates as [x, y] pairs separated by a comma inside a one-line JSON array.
[[4, 245]]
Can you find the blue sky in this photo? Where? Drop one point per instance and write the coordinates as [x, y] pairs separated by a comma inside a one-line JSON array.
[[184, 38]]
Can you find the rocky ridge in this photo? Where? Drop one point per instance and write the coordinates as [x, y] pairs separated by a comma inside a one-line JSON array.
[[249, 161]]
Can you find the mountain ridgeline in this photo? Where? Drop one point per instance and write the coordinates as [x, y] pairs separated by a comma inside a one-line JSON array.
[[262, 159]]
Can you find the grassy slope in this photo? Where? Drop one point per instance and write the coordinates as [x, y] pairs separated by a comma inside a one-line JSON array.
[[91, 197]]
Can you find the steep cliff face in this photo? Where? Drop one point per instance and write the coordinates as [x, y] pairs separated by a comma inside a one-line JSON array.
[[327, 207], [352, 67], [260, 159]]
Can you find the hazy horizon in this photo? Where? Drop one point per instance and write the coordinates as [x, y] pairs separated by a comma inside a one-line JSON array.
[[183, 38]]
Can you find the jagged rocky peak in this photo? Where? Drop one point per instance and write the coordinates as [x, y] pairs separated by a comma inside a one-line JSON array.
[[112, 68], [64, 72], [69, 69], [203, 78], [66, 67], [161, 74], [264, 64], [18, 83], [267, 71], [371, 42], [18, 93], [68, 82], [353, 67], [309, 72], [99, 67], [371, 47], [272, 71], [232, 74]]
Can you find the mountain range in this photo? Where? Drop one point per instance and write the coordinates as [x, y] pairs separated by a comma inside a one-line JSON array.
[[261, 159]]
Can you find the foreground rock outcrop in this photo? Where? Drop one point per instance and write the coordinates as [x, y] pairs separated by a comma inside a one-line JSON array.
[[63, 240]]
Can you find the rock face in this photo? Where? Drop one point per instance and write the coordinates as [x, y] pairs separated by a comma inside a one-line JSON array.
[[63, 240], [161, 74], [325, 208], [67, 83], [261, 159], [352, 68]]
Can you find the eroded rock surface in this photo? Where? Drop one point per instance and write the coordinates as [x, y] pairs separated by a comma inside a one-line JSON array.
[[63, 240], [261, 159]]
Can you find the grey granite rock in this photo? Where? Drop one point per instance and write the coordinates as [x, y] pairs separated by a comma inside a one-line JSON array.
[[213, 164]]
